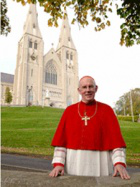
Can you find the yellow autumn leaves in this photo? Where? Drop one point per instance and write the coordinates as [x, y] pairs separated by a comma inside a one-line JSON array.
[[81, 8]]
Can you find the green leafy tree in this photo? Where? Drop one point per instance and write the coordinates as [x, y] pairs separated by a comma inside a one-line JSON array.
[[5, 26], [8, 95], [123, 106], [130, 29]]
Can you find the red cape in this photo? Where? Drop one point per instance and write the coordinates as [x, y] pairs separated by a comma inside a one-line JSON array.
[[102, 132]]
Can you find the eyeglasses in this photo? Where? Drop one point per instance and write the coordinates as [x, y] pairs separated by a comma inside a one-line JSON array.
[[90, 87]]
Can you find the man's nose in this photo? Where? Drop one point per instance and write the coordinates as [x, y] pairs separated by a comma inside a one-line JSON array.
[[88, 89]]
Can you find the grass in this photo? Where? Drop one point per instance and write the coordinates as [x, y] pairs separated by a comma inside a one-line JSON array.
[[29, 130], [131, 134]]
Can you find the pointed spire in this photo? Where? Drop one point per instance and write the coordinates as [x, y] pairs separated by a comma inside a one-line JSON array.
[[31, 25], [65, 38]]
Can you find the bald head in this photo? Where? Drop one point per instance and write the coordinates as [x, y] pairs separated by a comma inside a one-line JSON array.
[[87, 77]]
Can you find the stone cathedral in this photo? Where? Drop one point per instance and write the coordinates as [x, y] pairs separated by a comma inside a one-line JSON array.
[[50, 79]]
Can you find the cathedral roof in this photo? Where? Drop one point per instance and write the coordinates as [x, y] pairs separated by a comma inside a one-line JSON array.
[[5, 77]]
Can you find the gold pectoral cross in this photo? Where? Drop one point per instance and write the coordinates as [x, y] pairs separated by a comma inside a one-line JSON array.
[[86, 118]]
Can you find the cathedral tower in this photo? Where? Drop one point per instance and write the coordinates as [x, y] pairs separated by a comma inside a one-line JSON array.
[[29, 67], [68, 55]]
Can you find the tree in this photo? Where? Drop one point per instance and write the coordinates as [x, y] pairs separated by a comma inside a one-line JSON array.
[[5, 26], [98, 10], [8, 95], [130, 29], [123, 105]]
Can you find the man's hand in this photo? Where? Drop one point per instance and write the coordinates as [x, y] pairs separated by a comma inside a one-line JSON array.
[[56, 171], [122, 171]]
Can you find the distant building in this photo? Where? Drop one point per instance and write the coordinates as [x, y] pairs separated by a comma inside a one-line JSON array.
[[39, 79], [7, 80]]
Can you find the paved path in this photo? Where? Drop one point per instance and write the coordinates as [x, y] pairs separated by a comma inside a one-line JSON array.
[[13, 160], [23, 171], [16, 161]]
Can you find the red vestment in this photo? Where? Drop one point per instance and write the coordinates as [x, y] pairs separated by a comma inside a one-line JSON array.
[[102, 132]]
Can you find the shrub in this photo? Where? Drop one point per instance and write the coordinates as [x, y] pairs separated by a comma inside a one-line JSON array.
[[127, 118]]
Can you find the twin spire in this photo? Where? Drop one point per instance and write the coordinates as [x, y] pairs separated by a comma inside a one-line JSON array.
[[65, 38], [32, 27]]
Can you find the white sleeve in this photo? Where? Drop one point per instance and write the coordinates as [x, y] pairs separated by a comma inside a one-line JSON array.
[[59, 155], [118, 155]]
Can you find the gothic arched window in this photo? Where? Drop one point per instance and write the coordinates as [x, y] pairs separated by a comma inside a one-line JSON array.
[[35, 45], [30, 43], [67, 55], [50, 73], [71, 56]]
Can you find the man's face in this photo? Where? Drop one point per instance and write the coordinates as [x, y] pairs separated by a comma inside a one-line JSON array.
[[87, 89]]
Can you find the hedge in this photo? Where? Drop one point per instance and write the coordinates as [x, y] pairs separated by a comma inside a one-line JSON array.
[[127, 118]]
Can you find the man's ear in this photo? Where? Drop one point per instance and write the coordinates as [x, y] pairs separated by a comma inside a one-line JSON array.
[[78, 89], [96, 88]]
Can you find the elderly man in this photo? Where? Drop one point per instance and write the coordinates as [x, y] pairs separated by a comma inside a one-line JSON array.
[[88, 140]]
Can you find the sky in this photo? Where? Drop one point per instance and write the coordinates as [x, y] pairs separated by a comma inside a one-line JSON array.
[[116, 69]]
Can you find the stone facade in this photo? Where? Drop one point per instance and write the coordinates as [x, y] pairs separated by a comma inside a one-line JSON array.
[[50, 79]]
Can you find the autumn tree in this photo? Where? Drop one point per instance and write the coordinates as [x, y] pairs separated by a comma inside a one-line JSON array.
[[98, 11], [8, 96], [123, 105], [5, 25]]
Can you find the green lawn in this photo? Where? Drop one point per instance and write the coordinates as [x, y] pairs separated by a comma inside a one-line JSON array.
[[29, 130], [131, 134]]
